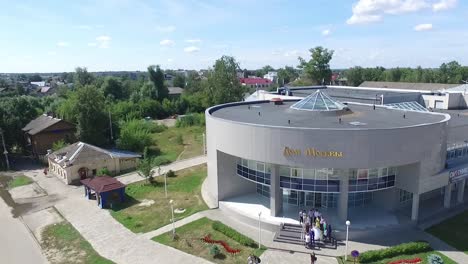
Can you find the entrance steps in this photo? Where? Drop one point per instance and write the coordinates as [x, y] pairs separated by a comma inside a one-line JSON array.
[[291, 234]]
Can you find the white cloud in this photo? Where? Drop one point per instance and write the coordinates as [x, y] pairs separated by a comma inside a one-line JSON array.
[[166, 29], [193, 40], [423, 27], [444, 5], [191, 49], [292, 53], [166, 42], [103, 42], [326, 32], [86, 27], [63, 44], [369, 11], [170, 60]]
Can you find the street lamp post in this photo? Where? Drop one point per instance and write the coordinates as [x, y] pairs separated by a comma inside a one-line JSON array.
[[165, 184], [259, 230], [348, 223], [5, 152], [173, 224]]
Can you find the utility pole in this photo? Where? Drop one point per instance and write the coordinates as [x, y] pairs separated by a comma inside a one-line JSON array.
[[204, 144], [5, 152]]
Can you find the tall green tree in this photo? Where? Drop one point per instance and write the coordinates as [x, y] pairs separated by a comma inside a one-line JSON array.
[[222, 85], [318, 67], [82, 77], [156, 76], [286, 75], [92, 120], [179, 81], [113, 88]]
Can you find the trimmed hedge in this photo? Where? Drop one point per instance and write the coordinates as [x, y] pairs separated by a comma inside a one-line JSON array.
[[398, 250], [233, 234]]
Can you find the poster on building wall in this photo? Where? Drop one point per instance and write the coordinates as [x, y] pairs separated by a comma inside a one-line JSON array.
[[458, 175]]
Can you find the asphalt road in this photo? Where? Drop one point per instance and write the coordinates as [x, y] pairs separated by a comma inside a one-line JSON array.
[[17, 245]]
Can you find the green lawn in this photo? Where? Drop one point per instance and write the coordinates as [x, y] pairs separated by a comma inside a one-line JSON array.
[[171, 149], [189, 240], [184, 189], [423, 257], [453, 231], [19, 181], [63, 244]]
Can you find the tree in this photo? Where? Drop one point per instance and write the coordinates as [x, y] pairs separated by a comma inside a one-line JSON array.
[[145, 168], [318, 67], [59, 144], [92, 120], [35, 78], [223, 85], [113, 88], [135, 135], [355, 76], [179, 81], [286, 75], [156, 76], [264, 70], [82, 77]]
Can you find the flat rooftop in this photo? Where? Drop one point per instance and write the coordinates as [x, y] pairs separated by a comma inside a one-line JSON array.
[[458, 125], [359, 116]]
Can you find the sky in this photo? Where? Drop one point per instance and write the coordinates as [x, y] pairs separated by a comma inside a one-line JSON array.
[[113, 35]]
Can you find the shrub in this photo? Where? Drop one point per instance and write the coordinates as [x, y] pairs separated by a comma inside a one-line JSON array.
[[170, 173], [59, 144], [231, 233], [103, 171], [161, 160], [435, 259], [214, 250], [135, 135], [398, 250], [191, 120]]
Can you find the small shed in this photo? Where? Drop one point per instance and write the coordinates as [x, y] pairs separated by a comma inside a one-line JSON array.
[[108, 190]]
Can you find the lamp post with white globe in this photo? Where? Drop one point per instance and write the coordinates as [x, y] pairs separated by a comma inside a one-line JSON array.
[[259, 229], [173, 224], [348, 223]]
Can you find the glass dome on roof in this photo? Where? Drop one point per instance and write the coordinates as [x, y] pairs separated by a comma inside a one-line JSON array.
[[318, 101]]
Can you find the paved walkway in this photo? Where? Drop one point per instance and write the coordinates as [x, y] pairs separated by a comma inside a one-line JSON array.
[[107, 236], [174, 166], [17, 245]]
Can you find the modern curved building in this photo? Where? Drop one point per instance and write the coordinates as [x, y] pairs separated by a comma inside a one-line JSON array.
[[321, 153]]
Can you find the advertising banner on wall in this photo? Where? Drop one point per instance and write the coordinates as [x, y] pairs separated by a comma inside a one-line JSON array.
[[458, 175]]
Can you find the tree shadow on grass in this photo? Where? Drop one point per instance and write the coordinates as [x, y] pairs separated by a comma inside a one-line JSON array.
[[129, 202], [220, 256]]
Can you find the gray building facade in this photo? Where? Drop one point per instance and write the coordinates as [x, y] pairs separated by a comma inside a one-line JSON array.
[[319, 153]]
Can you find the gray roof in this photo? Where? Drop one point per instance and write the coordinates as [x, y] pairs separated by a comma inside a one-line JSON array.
[[40, 123], [409, 86], [175, 90], [81, 152], [458, 126], [356, 116]]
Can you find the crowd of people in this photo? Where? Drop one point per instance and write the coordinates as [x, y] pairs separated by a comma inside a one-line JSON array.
[[315, 227]]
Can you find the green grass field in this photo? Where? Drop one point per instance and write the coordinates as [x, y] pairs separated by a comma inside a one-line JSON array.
[[453, 231], [19, 181], [189, 240], [184, 189], [171, 149], [63, 244]]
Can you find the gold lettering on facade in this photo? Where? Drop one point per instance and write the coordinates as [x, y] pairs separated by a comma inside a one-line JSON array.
[[312, 152], [291, 152]]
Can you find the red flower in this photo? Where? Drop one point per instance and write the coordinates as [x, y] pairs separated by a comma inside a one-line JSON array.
[[207, 239]]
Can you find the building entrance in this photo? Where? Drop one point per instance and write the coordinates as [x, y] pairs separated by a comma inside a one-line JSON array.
[[310, 199]]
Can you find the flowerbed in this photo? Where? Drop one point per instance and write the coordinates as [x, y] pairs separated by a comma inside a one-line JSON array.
[[209, 240], [407, 261]]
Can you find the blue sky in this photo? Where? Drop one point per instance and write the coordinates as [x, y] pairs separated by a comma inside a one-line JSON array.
[[43, 36]]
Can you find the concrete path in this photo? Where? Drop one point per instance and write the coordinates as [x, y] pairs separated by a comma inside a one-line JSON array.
[[177, 224], [174, 166], [107, 236], [17, 245], [281, 256]]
